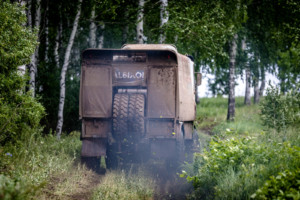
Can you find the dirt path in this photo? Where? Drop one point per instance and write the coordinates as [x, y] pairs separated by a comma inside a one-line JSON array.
[[76, 184]]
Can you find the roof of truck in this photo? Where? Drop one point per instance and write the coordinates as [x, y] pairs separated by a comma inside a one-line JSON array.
[[169, 47]]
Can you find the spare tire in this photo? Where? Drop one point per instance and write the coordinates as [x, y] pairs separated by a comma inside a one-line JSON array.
[[136, 112], [120, 113]]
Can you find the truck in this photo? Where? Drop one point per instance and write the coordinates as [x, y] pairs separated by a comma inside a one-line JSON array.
[[137, 103]]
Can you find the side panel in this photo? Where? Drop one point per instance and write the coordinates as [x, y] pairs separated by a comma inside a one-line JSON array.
[[161, 92], [96, 91], [96, 128], [186, 93]]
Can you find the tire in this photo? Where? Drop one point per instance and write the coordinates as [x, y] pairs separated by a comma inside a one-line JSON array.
[[111, 159], [136, 113], [92, 163], [120, 113]]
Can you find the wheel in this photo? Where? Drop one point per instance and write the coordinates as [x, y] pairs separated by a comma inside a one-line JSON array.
[[120, 113], [111, 159], [92, 163], [136, 113]]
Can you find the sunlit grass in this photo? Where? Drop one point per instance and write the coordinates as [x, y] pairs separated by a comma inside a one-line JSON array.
[[117, 185]]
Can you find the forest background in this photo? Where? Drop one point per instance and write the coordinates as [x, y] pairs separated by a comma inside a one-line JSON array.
[[41, 42]]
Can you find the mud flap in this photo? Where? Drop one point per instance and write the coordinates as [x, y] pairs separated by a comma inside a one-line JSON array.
[[93, 147]]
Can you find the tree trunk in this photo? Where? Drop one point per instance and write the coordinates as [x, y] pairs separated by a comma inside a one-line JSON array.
[[57, 44], [231, 96], [29, 16], [63, 73], [256, 90], [256, 81], [140, 23], [93, 29], [263, 81], [101, 37], [164, 17], [22, 68], [34, 57], [46, 35], [247, 100], [125, 29]]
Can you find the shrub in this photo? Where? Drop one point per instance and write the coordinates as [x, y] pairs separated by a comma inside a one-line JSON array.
[[286, 185], [280, 111], [239, 164]]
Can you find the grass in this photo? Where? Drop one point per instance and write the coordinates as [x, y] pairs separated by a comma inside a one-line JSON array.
[[29, 165], [117, 185]]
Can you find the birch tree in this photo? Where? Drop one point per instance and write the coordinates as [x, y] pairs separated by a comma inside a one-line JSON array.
[[93, 29], [140, 23], [164, 17], [64, 70], [33, 64], [231, 96], [101, 37], [46, 34]]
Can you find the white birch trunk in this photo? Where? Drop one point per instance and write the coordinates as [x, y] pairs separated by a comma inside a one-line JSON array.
[[57, 44], [93, 29], [46, 35], [263, 81], [63, 73], [29, 16], [164, 17], [140, 23], [101, 37], [231, 96], [22, 68], [256, 90], [33, 65], [247, 100]]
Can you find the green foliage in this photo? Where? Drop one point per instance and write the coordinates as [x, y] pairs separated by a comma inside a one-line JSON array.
[[280, 111], [17, 43], [117, 186], [20, 114], [286, 185], [27, 168], [239, 164], [15, 189]]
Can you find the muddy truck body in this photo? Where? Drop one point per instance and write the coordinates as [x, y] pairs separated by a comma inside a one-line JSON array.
[[136, 103]]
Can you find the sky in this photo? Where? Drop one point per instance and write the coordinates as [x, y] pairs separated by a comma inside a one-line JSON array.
[[239, 89]]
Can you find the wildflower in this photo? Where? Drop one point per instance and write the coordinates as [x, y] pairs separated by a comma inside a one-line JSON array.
[[9, 154]]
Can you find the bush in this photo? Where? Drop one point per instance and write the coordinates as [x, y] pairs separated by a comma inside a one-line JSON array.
[[20, 113], [280, 111], [15, 189], [286, 185], [235, 168]]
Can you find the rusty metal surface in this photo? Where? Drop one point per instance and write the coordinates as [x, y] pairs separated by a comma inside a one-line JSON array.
[[168, 47], [163, 148], [186, 89], [96, 128], [129, 75], [161, 92], [97, 91], [188, 130], [93, 147], [160, 128]]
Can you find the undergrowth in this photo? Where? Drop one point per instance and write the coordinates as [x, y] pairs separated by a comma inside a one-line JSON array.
[[27, 166], [242, 156]]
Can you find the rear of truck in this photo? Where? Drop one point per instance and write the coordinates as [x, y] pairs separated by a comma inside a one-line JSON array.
[[135, 103]]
